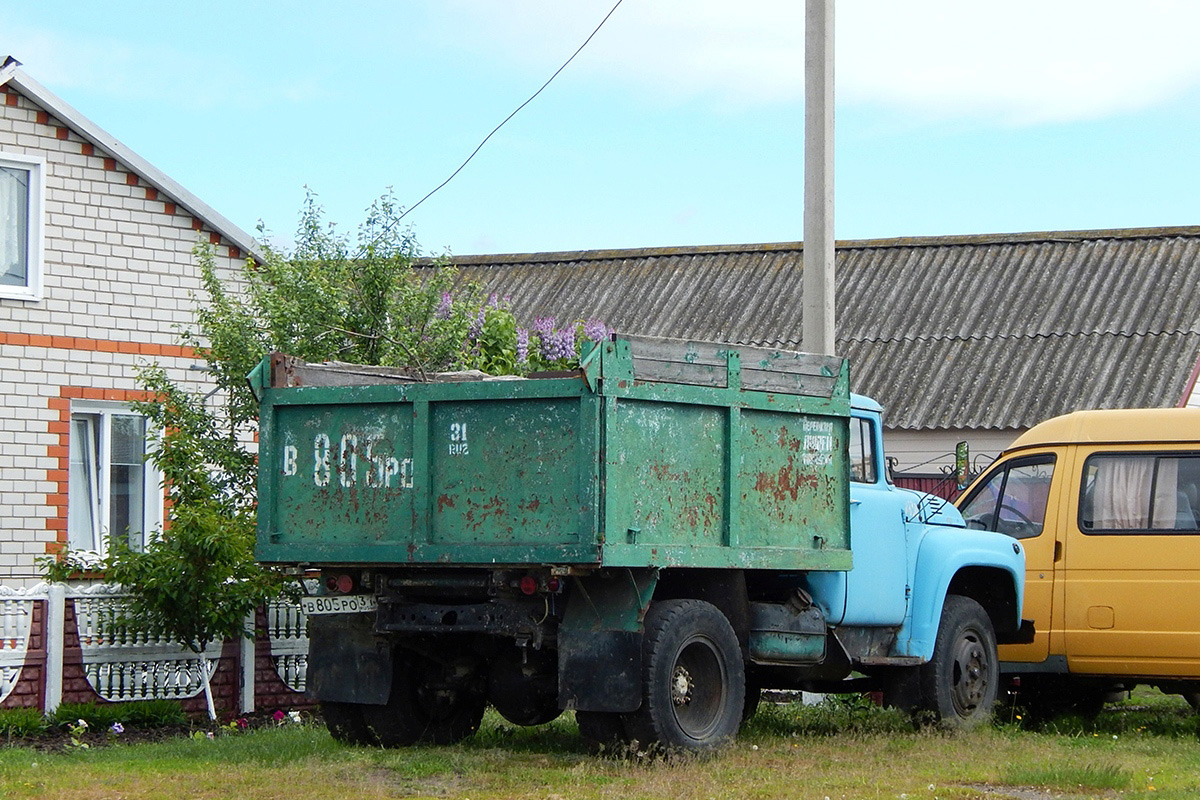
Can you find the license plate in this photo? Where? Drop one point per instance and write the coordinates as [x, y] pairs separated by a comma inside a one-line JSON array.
[[340, 604]]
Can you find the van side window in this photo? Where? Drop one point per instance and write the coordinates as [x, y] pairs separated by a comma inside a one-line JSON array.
[[862, 451], [1013, 500], [1140, 492]]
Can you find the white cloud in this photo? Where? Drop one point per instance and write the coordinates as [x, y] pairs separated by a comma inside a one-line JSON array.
[[183, 74], [1018, 63]]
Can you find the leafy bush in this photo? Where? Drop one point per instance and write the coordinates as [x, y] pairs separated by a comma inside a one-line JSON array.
[[98, 716], [22, 722], [154, 713]]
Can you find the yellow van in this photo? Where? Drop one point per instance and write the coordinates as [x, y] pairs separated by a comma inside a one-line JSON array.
[[1107, 505]]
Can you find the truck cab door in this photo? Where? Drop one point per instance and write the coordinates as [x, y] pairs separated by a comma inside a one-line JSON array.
[[1021, 497], [877, 586]]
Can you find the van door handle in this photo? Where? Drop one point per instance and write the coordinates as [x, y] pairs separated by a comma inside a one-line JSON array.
[[1057, 552]]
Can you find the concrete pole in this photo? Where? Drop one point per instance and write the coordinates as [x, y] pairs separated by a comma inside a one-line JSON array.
[[817, 335], [56, 634]]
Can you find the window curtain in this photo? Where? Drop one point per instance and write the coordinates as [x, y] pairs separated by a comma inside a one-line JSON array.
[[1122, 493], [14, 225]]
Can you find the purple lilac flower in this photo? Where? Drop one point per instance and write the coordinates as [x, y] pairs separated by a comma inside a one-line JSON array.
[[443, 309], [493, 301], [544, 326], [476, 329], [522, 346], [595, 330], [559, 345]]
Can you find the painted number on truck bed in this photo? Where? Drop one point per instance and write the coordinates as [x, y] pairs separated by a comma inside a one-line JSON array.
[[818, 443], [351, 461]]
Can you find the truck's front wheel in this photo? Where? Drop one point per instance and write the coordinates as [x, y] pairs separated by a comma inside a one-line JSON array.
[[958, 685], [694, 681]]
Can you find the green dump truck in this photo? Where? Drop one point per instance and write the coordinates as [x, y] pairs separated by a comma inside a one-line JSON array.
[[649, 542]]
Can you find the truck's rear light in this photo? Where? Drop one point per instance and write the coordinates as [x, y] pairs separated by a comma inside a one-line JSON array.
[[343, 583], [528, 584], [553, 585]]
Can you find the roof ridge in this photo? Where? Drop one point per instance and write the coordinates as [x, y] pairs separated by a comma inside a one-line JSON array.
[[1021, 336], [944, 240]]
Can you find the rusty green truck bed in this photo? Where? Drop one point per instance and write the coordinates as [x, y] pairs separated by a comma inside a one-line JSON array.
[[657, 452]]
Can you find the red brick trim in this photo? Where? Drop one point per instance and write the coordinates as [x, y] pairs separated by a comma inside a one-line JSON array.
[[110, 164], [97, 345], [214, 238], [61, 133], [196, 224], [151, 194], [42, 118], [169, 209], [88, 149], [10, 99], [131, 179]]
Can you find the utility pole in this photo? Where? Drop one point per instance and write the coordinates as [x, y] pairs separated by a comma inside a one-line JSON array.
[[817, 335]]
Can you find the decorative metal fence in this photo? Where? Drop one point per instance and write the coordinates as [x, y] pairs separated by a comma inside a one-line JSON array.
[[121, 662]]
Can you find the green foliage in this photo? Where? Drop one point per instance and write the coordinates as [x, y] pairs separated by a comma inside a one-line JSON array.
[[159, 713], [97, 716], [197, 582], [67, 564], [1068, 777], [22, 722]]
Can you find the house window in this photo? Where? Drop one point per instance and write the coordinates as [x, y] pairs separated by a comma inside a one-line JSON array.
[[21, 208], [114, 492]]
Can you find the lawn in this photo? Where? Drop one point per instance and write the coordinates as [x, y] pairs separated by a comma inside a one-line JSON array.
[[1146, 747]]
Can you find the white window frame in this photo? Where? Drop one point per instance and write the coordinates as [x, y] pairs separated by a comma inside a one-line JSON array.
[[36, 167], [99, 481]]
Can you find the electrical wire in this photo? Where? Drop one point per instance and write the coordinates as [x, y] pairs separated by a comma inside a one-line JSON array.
[[474, 152]]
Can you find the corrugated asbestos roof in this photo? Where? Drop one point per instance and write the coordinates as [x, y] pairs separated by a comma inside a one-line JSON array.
[[995, 331]]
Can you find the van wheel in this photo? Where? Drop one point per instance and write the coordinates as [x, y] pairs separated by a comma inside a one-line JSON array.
[[694, 682], [958, 686], [430, 702]]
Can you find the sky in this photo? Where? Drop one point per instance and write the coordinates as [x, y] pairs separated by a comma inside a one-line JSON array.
[[680, 123]]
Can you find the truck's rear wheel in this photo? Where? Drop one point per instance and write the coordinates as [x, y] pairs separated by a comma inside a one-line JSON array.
[[429, 703], [345, 723], [958, 685], [694, 681]]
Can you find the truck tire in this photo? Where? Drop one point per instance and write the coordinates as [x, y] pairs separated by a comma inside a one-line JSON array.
[[958, 686], [346, 724], [693, 682], [428, 704]]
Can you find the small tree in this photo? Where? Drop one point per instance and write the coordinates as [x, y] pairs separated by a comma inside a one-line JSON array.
[[328, 299]]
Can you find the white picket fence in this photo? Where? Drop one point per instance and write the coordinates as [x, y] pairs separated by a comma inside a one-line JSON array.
[[123, 663]]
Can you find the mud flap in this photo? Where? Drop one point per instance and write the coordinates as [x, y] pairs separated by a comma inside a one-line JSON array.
[[600, 641], [347, 662]]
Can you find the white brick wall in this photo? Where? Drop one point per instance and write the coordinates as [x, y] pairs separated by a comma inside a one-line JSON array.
[[118, 280]]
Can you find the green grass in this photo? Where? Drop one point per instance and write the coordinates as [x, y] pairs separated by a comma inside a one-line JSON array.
[[844, 750]]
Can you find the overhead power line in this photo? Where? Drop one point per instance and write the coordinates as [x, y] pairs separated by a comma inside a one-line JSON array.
[[517, 110]]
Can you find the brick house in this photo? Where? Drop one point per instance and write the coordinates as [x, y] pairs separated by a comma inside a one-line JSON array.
[[97, 275]]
